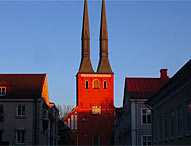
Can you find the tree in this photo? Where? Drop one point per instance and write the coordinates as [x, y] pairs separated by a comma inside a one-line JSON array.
[[64, 110]]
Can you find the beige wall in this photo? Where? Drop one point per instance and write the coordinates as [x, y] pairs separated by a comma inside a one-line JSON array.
[[11, 122], [142, 129], [126, 126]]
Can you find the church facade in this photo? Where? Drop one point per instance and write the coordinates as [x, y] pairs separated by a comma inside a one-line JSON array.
[[92, 121]]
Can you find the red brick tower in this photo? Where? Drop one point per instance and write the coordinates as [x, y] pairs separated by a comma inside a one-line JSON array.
[[92, 121]]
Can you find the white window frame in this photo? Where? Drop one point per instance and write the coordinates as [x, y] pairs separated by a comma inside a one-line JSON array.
[[1, 91], [17, 136], [146, 117], [21, 110], [145, 136]]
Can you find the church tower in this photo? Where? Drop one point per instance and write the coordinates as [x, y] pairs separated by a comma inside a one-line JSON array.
[[92, 121]]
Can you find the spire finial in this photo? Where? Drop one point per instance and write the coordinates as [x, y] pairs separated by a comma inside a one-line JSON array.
[[85, 66], [104, 65]]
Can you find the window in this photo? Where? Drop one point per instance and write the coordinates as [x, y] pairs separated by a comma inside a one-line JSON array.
[[96, 140], [96, 84], [166, 126], [76, 120], [2, 91], [172, 124], [72, 122], [1, 112], [96, 110], [179, 122], [160, 128], [21, 110], [69, 122], [188, 113], [20, 136], [1, 135], [155, 129], [146, 140], [105, 84], [146, 116], [45, 114], [86, 85]]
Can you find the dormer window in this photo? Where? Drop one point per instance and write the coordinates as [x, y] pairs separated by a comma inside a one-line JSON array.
[[96, 84], [105, 84], [2, 91], [86, 84]]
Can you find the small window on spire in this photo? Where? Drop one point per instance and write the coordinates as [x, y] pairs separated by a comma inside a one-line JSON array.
[[96, 84], [86, 84], [105, 84]]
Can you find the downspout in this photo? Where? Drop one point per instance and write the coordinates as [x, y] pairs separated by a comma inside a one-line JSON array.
[[136, 124], [152, 120]]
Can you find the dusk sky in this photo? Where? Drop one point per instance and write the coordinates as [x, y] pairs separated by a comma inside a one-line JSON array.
[[45, 37]]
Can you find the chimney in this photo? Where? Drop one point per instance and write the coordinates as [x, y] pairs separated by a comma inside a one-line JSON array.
[[163, 74]]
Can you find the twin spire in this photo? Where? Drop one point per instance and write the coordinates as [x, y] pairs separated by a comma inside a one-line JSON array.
[[104, 65]]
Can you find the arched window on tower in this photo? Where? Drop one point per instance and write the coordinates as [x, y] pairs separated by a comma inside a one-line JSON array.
[[96, 84]]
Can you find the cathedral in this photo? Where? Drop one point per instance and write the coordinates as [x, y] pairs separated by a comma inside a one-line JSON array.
[[92, 121]]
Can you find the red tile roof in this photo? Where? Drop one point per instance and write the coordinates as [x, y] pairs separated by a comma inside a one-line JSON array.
[[143, 87], [23, 85]]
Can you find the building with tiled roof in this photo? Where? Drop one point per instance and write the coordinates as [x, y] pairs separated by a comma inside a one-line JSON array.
[[133, 126], [25, 110]]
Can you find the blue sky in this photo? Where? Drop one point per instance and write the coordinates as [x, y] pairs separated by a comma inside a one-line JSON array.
[[45, 37]]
